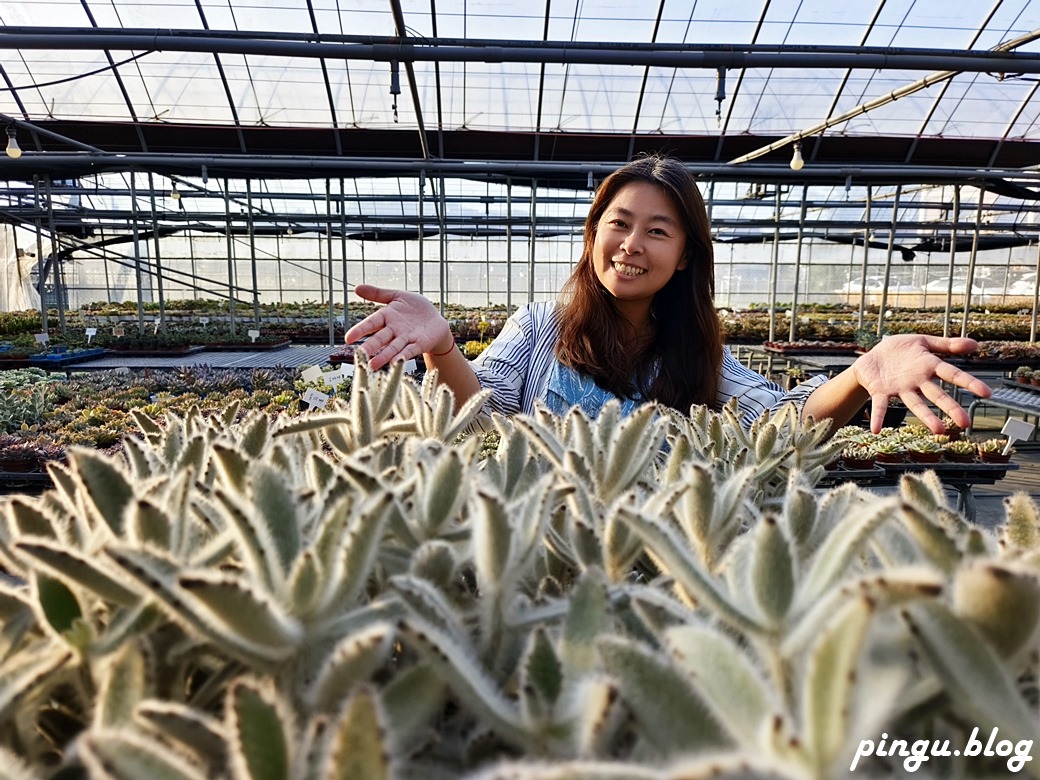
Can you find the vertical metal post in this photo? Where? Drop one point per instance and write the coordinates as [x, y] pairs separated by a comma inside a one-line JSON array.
[[1036, 296], [773, 268], [971, 264], [252, 252], [888, 261], [863, 273], [343, 249], [230, 259], [157, 263], [40, 259], [509, 246], [328, 247], [443, 243], [531, 240], [137, 252], [59, 294], [422, 228], [953, 258], [797, 267], [104, 265]]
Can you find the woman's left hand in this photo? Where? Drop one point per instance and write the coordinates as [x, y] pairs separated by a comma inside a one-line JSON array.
[[905, 366]]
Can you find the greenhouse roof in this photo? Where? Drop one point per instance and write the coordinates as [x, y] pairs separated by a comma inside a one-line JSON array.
[[910, 97], [910, 83]]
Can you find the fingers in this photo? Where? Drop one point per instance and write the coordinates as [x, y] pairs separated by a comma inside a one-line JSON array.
[[951, 346], [878, 407], [377, 294], [367, 326], [956, 376]]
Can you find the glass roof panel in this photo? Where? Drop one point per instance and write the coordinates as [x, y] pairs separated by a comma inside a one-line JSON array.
[[144, 14]]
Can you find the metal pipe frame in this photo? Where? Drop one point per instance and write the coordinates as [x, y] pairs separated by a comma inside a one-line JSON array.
[[388, 49]]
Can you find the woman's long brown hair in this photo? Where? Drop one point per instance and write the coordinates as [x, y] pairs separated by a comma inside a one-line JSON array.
[[679, 364]]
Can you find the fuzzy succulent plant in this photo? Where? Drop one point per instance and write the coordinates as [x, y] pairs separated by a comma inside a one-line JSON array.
[[364, 592]]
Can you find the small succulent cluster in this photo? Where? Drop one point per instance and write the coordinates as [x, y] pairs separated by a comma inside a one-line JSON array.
[[368, 592], [910, 441]]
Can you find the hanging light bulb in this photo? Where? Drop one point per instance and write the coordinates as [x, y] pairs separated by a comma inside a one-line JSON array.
[[174, 192], [288, 230], [14, 151], [797, 163]]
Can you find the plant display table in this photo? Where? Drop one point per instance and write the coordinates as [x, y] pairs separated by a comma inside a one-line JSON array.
[[1013, 397], [959, 476]]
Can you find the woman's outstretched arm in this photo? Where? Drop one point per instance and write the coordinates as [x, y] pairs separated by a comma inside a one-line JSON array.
[[905, 366], [407, 326]]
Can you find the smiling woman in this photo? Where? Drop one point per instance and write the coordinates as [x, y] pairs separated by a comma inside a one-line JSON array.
[[636, 322]]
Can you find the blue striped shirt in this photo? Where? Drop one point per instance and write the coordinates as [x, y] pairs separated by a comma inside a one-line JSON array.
[[518, 364]]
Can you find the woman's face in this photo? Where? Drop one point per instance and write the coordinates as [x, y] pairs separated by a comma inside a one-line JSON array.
[[640, 242]]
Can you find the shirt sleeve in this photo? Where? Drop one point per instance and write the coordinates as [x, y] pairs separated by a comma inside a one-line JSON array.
[[503, 367], [754, 393]]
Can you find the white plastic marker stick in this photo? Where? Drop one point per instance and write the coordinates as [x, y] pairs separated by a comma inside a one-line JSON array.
[[42, 338], [91, 333], [315, 398], [204, 320], [253, 334], [1014, 430], [311, 374]]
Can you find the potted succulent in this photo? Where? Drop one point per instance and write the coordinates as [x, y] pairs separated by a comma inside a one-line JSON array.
[[18, 454], [858, 456], [960, 451], [1022, 374], [953, 430], [992, 451], [1034, 377], [889, 450], [924, 450]]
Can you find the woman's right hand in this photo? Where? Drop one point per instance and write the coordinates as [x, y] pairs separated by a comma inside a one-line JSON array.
[[406, 327]]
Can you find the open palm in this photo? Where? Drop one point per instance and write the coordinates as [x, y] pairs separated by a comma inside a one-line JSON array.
[[406, 327]]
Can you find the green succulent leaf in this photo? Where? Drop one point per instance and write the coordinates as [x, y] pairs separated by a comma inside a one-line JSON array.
[[671, 715], [359, 746], [123, 755], [68, 564], [243, 613], [196, 731], [261, 730], [59, 605], [970, 671], [726, 677], [351, 663], [107, 487], [831, 678]]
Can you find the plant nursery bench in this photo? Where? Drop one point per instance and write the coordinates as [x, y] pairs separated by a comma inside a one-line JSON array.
[[1012, 397], [959, 476]]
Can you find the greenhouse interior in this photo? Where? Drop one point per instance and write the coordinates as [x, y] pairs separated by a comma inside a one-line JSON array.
[[234, 545]]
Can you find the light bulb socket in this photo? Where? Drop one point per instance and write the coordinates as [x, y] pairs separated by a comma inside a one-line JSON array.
[[14, 151], [174, 192]]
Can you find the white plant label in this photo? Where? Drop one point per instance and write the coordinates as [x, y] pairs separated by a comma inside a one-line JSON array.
[[42, 338], [333, 378], [204, 320], [118, 331], [311, 374], [315, 398], [1016, 429], [409, 366], [91, 333], [253, 335]]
